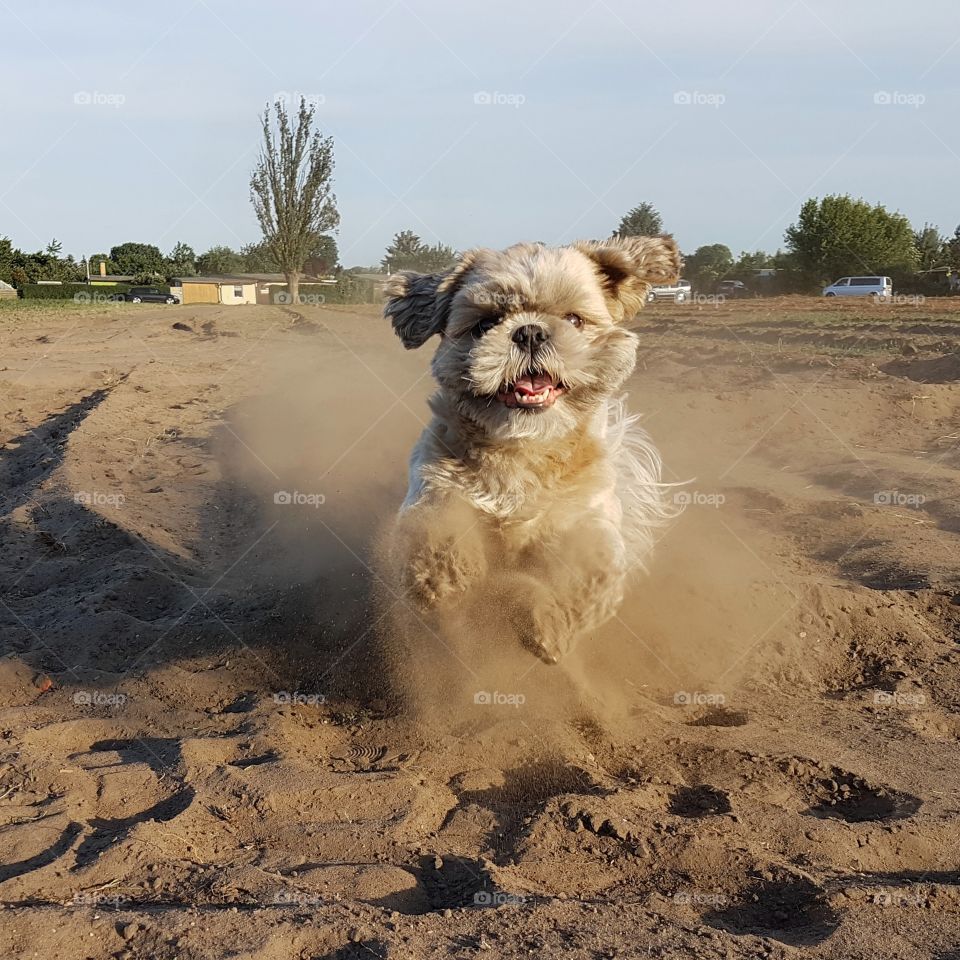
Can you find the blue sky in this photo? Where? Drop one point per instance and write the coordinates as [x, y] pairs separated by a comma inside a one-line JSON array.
[[476, 124]]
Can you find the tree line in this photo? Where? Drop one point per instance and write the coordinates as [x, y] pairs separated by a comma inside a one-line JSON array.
[[291, 192], [147, 264]]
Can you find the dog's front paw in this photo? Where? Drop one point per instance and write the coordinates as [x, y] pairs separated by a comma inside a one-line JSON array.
[[545, 630], [437, 572]]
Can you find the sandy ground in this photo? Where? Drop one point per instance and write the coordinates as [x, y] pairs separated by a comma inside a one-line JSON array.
[[201, 752]]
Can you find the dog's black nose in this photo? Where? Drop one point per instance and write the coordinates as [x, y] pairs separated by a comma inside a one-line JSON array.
[[529, 336]]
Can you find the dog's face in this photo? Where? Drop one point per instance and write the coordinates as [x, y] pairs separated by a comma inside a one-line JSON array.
[[530, 337]]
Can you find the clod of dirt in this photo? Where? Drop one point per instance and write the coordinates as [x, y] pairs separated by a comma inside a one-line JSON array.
[[182, 326], [851, 798]]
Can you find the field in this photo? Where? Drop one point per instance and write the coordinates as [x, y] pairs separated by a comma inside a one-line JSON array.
[[201, 753]]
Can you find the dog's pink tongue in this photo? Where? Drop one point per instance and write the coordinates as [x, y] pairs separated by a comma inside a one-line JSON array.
[[533, 384]]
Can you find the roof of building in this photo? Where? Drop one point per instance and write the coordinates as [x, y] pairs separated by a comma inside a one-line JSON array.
[[109, 278], [220, 278]]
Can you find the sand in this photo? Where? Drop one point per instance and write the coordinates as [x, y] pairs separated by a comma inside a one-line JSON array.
[[205, 750]]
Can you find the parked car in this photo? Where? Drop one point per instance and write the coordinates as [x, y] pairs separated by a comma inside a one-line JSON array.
[[733, 289], [148, 295], [678, 292], [879, 287]]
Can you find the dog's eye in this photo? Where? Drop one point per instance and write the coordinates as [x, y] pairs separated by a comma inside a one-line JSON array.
[[575, 319], [487, 323]]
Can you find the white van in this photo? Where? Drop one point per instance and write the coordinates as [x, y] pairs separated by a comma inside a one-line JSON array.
[[879, 287]]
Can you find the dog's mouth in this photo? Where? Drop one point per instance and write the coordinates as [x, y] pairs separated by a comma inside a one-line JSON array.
[[532, 391]]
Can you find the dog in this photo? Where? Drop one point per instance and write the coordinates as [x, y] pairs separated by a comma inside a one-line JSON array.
[[530, 489]]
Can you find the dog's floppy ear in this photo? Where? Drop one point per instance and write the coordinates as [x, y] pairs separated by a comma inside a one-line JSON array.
[[418, 304], [629, 266]]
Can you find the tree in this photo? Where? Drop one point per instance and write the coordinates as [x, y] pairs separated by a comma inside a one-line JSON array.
[[95, 259], [708, 264], [219, 260], [134, 258], [257, 258], [837, 236], [932, 249], [325, 256], [404, 252], [182, 261], [641, 221], [291, 189], [437, 258], [748, 262], [54, 248]]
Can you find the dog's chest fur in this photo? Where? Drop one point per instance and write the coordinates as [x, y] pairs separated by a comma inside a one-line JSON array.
[[529, 489]]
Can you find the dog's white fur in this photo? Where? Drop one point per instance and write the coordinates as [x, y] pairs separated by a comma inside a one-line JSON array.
[[543, 511]]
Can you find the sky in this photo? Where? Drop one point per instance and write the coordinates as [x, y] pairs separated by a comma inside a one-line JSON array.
[[476, 124]]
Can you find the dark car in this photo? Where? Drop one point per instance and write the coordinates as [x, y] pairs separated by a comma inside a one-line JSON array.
[[148, 295], [733, 289]]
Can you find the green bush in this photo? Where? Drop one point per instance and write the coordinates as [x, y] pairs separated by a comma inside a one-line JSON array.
[[347, 289], [80, 292]]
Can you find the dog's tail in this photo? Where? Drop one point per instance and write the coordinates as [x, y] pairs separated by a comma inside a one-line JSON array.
[[646, 501]]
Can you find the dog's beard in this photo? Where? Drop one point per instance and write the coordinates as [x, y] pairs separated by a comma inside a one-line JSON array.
[[513, 393]]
